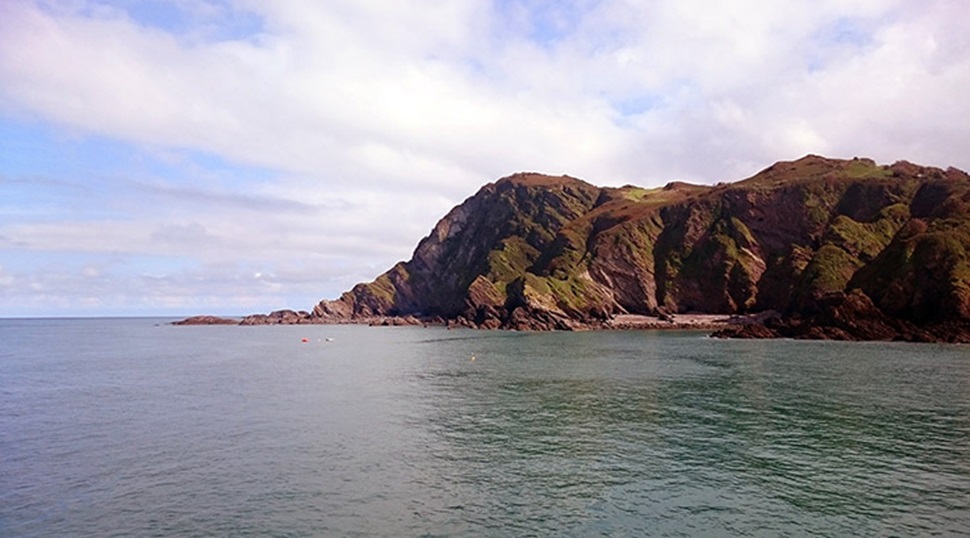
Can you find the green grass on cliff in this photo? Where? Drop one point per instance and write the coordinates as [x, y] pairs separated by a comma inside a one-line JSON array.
[[383, 290], [577, 294], [866, 240], [510, 261], [819, 200], [866, 169], [829, 270], [717, 251], [659, 196]]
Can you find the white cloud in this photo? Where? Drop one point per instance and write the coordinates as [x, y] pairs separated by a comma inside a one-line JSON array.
[[371, 119]]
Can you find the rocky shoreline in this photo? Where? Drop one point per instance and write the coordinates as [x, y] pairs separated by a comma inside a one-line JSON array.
[[693, 321], [838, 316], [849, 316]]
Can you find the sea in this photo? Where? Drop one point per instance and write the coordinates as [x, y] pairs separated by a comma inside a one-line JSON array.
[[135, 427]]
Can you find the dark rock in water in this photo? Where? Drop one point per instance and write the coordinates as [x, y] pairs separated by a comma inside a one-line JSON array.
[[395, 321], [756, 330], [850, 316], [855, 315], [206, 320], [279, 317]]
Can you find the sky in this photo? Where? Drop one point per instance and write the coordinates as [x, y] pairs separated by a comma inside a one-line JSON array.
[[235, 156]]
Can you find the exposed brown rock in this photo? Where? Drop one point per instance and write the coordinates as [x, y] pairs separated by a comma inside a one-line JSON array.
[[206, 320], [395, 321], [850, 316], [279, 317]]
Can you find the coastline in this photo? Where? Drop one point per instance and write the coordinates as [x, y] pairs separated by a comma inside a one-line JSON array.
[[692, 321]]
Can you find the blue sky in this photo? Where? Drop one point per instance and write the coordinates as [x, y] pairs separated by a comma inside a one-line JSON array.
[[236, 156]]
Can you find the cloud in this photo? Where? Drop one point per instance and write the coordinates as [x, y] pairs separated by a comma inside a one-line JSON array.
[[346, 92], [261, 135], [106, 288], [351, 92]]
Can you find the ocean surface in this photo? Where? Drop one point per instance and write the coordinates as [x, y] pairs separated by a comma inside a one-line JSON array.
[[131, 427]]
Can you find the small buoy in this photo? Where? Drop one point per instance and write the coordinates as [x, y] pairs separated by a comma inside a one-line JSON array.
[[305, 340]]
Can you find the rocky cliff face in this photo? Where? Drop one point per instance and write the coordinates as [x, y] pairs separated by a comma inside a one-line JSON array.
[[540, 252]]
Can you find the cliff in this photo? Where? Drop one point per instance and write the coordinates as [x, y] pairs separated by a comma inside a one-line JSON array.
[[821, 241]]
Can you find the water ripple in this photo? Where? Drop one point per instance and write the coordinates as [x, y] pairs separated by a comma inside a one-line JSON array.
[[121, 429]]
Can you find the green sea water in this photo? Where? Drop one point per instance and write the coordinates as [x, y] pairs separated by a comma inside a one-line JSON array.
[[131, 427]]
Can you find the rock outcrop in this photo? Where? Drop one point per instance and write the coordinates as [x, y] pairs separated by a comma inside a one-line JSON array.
[[206, 320], [279, 317], [843, 249]]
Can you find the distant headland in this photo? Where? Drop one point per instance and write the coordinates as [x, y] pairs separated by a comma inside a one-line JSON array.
[[814, 248]]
